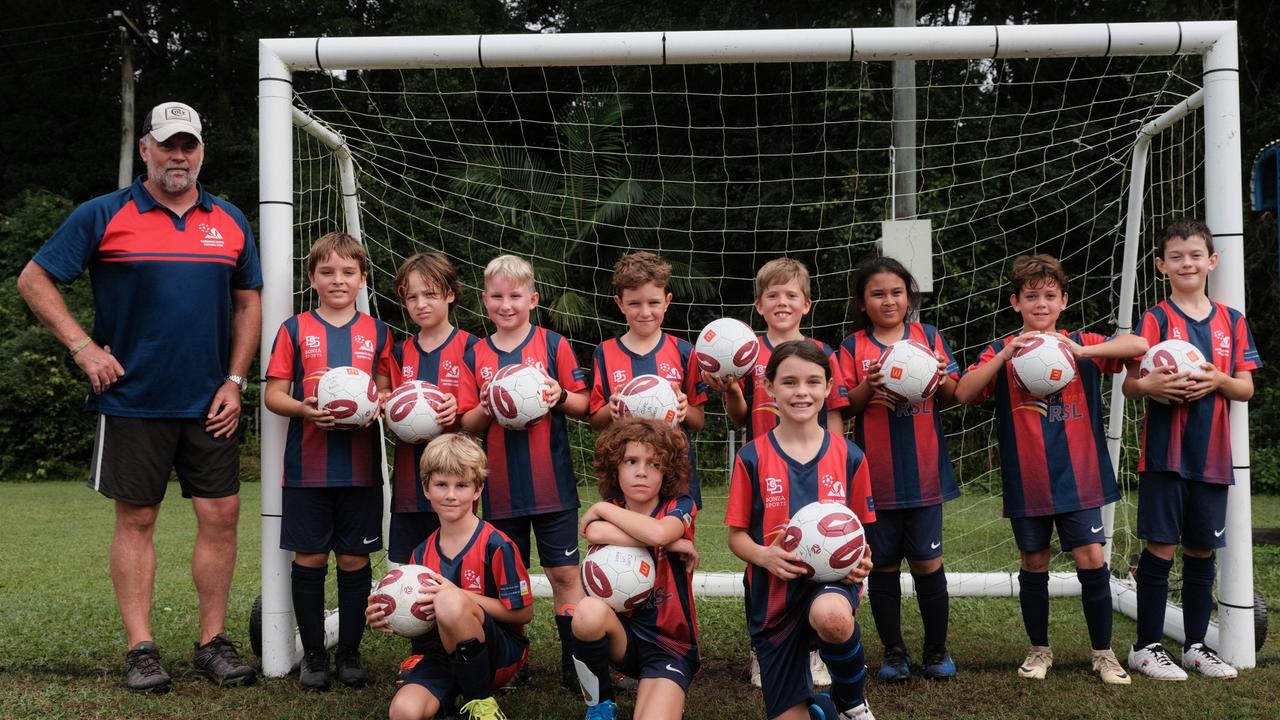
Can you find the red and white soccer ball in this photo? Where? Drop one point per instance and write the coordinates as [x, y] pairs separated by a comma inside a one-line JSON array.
[[1044, 365], [349, 395], [397, 592], [623, 577], [649, 397], [411, 411], [1178, 354], [727, 349], [827, 537], [518, 396], [910, 372]]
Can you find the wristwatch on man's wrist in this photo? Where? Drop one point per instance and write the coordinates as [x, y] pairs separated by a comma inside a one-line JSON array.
[[239, 380]]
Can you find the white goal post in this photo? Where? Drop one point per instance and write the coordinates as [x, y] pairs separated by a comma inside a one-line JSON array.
[[1214, 42]]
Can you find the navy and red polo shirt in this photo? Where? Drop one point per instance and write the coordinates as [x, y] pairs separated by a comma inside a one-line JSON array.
[[161, 293]]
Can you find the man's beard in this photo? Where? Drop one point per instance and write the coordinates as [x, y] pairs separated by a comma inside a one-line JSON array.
[[172, 184]]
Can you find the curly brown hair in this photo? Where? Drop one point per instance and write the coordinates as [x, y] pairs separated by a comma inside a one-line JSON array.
[[1036, 270], [635, 269], [668, 444]]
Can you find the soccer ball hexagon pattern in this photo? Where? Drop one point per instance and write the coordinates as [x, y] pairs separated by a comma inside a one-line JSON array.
[[411, 411], [397, 592], [622, 577], [1178, 354], [349, 395], [910, 372], [827, 537], [649, 397], [518, 396], [1044, 365], [726, 348]]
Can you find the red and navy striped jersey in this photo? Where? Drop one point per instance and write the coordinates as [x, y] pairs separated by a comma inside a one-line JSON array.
[[668, 617], [316, 458], [445, 368], [762, 411], [613, 365], [1053, 455], [530, 471], [767, 487], [161, 293], [489, 565], [905, 446], [1194, 439]]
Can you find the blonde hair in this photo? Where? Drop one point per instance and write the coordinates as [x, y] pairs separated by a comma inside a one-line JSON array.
[[454, 454], [781, 271], [340, 244], [512, 268]]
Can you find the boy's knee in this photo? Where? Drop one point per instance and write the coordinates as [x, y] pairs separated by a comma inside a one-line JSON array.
[[1089, 557], [451, 605], [589, 617], [1036, 561], [832, 618]]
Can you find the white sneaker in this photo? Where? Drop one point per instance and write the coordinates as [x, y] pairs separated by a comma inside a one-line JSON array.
[[858, 712], [1108, 668], [1154, 662], [1036, 666], [818, 670], [1206, 662], [755, 669]]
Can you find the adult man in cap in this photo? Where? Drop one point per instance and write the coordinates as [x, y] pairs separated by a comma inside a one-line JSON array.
[[177, 315]]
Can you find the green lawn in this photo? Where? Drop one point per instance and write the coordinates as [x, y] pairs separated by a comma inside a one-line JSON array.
[[62, 647]]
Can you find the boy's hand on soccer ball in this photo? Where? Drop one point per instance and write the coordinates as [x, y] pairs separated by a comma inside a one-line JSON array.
[[1167, 383], [861, 570], [942, 366], [376, 617], [447, 413], [780, 563], [1211, 378], [615, 408], [1008, 351], [312, 413], [720, 385], [553, 392], [874, 377], [427, 593], [682, 403], [1077, 350], [484, 398]]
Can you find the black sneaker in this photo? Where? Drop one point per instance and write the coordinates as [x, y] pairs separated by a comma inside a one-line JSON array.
[[313, 672], [350, 669], [142, 669], [220, 661]]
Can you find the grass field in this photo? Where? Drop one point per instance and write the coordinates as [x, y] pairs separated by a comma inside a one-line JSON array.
[[62, 647]]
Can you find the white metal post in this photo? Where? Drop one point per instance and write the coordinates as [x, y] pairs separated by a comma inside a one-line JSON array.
[[1224, 204], [275, 213]]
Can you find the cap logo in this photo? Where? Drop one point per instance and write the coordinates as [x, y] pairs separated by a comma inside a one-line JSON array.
[[177, 113]]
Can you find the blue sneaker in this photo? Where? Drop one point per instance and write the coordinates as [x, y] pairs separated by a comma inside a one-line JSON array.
[[895, 667], [822, 708], [938, 665], [607, 710]]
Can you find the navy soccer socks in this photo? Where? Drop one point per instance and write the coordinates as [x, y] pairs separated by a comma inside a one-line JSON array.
[[1153, 593], [1197, 597], [847, 665], [1095, 598], [935, 607], [1033, 596], [353, 598], [884, 591], [591, 662], [308, 605]]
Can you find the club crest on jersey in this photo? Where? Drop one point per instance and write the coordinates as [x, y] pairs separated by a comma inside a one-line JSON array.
[[212, 238], [471, 579], [832, 490], [536, 363], [364, 347], [1224, 344], [1175, 333]]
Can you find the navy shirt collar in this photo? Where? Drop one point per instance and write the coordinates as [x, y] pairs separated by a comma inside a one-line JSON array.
[[143, 200]]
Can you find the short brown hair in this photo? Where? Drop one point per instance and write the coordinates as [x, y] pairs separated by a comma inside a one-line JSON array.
[[340, 244], [780, 271], [436, 272], [803, 349], [667, 443], [1185, 229], [635, 269], [1035, 270], [454, 454]]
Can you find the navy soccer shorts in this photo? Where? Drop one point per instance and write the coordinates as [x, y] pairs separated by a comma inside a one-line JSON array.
[[508, 651], [344, 520], [1173, 510], [913, 533], [555, 532], [783, 652], [1075, 529]]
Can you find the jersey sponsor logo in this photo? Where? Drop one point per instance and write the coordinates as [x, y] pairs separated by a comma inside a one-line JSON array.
[[486, 373], [1052, 409], [1175, 333], [408, 372], [212, 238], [471, 579], [311, 346], [536, 363], [619, 376], [912, 409], [1224, 344], [775, 492], [363, 347], [831, 489], [759, 371]]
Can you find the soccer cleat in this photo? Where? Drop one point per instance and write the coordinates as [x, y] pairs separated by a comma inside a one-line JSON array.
[[1036, 666], [1200, 658], [313, 671], [625, 683], [350, 669], [606, 710], [482, 709], [220, 661], [1154, 662], [938, 665], [406, 666], [818, 670], [861, 711], [522, 677], [1108, 668], [895, 666], [755, 669], [143, 672]]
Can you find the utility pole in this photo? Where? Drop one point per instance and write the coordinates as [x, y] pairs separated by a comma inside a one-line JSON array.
[[128, 33], [904, 121]]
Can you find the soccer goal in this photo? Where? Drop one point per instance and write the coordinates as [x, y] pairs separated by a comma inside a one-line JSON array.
[[723, 150]]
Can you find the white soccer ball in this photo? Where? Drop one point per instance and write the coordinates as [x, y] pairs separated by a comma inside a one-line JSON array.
[[828, 538], [397, 592], [910, 372], [727, 349], [1178, 354], [518, 396], [1044, 365], [622, 577], [649, 397], [349, 395], [411, 411]]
